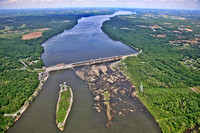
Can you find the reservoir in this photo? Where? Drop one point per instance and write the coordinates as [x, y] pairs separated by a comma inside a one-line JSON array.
[[85, 41]]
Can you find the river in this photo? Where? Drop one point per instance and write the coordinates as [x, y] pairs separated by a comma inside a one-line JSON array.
[[83, 42]]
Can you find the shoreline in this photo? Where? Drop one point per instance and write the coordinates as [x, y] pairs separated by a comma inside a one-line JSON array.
[[16, 116], [139, 50], [61, 125], [113, 90], [135, 93], [115, 64], [19, 113], [141, 98]]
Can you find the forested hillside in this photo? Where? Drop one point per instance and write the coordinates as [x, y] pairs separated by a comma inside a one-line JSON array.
[[169, 65], [20, 55]]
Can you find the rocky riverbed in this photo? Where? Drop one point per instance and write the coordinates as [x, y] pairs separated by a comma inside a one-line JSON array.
[[112, 91]]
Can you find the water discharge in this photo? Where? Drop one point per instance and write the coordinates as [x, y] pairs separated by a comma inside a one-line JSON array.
[[83, 42]]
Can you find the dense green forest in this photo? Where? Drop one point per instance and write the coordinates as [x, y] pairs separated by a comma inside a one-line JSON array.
[[168, 66], [19, 58]]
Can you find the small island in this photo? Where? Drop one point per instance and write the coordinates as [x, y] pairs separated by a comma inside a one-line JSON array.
[[64, 105]]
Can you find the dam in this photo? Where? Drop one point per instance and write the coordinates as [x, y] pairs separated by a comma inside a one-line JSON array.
[[64, 66]]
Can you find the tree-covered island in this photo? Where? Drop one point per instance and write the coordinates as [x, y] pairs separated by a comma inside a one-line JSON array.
[[64, 105]]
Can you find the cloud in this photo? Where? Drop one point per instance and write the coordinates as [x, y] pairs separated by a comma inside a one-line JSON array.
[[13, 1], [184, 4], [43, 1]]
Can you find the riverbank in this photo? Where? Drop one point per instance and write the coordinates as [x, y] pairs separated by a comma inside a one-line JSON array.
[[113, 93], [145, 98], [21, 84], [116, 65], [162, 70], [64, 104], [47, 35], [115, 39], [43, 76], [122, 68]]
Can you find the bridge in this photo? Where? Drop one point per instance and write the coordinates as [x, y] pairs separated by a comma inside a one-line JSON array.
[[87, 63]]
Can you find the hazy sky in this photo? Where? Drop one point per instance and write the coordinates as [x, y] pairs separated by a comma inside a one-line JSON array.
[[170, 4]]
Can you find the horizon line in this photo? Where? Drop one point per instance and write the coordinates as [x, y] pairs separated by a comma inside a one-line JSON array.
[[98, 7]]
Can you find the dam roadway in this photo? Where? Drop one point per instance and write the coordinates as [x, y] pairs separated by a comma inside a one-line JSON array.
[[87, 63]]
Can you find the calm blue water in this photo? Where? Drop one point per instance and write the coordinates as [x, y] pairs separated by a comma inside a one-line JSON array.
[[83, 42]]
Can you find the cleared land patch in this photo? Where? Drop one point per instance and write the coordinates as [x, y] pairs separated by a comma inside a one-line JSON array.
[[43, 29], [32, 35]]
